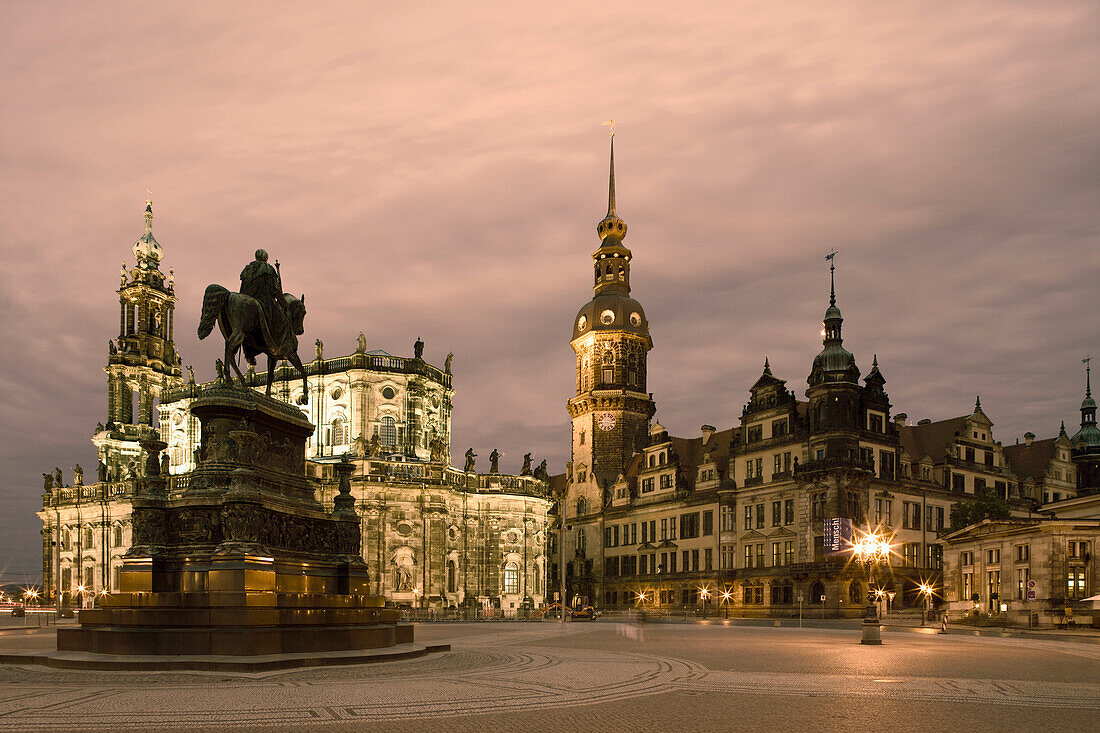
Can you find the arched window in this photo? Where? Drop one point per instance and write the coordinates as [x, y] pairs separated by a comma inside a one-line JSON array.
[[652, 460], [581, 542], [118, 535], [339, 431], [817, 592], [582, 506], [89, 537], [855, 593], [387, 431], [452, 576], [535, 588], [621, 273], [511, 577]]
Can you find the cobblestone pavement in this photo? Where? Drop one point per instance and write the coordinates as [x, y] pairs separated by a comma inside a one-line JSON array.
[[600, 676]]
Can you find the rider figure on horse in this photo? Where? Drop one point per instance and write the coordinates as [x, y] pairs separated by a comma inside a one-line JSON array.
[[261, 281]]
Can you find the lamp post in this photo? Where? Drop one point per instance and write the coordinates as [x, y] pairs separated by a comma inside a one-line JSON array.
[[870, 550], [704, 593], [726, 599], [926, 591]]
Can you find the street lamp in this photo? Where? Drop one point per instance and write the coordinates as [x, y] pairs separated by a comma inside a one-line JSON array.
[[704, 593], [926, 591], [726, 599], [870, 550]]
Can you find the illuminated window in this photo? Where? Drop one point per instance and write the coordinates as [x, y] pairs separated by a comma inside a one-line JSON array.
[[511, 578], [387, 431]]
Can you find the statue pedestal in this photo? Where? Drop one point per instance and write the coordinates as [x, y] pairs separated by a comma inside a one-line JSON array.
[[244, 561]]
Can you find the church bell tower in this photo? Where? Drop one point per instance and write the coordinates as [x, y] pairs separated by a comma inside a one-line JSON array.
[[144, 361], [611, 409]]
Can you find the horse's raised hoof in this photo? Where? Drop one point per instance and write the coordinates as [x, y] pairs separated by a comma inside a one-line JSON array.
[[303, 400]]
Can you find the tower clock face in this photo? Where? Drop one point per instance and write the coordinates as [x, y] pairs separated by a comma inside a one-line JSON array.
[[605, 421]]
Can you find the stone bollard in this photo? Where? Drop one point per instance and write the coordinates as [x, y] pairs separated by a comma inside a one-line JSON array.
[[872, 630]]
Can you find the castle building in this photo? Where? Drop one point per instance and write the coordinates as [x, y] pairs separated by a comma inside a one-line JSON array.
[[736, 517], [434, 536]]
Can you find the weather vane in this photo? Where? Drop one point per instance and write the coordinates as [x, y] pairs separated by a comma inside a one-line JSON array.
[[610, 124]]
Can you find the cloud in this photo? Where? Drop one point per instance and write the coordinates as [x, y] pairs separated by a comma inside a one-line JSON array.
[[434, 171]]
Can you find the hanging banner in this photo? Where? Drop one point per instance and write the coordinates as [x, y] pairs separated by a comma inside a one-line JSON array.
[[838, 536]]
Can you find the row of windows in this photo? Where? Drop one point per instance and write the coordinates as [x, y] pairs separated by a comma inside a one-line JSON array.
[[1076, 582], [689, 528], [782, 513], [781, 467], [934, 516], [656, 564], [510, 578], [782, 554], [648, 484], [69, 537], [1075, 550], [755, 433]]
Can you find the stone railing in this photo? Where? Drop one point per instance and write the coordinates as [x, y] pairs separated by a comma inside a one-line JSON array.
[[373, 362]]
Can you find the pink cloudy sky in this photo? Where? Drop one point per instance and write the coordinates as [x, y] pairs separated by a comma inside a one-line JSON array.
[[437, 170]]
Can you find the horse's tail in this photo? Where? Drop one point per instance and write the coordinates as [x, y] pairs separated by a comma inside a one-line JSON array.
[[212, 304]]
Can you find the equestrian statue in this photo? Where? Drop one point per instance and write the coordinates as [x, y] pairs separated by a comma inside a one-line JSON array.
[[261, 319]]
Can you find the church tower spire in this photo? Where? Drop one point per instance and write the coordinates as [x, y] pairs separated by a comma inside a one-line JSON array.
[[612, 259], [143, 360], [611, 224], [1085, 452], [611, 409]]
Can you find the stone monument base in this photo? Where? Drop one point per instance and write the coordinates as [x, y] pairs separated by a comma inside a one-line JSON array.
[[243, 561], [235, 624]]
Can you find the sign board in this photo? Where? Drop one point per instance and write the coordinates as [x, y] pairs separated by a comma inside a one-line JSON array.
[[1031, 585], [1031, 595], [838, 536]]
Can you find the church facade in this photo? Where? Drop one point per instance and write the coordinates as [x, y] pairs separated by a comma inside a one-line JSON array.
[[734, 519], [434, 536]]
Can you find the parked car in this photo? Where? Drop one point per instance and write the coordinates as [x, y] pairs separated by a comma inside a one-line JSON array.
[[16, 609]]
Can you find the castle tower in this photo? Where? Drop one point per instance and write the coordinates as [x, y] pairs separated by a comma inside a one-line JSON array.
[[1086, 441], [833, 389], [611, 409], [144, 361]]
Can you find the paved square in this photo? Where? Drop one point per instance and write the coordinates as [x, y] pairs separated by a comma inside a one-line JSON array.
[[599, 676]]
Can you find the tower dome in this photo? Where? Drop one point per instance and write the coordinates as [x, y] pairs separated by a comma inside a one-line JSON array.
[[1089, 434], [147, 250], [834, 358]]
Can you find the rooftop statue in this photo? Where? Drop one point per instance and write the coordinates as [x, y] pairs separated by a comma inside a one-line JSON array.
[[261, 319]]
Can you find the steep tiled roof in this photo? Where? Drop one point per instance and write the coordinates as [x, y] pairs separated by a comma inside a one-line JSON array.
[[931, 439], [690, 452], [558, 484], [1030, 460]]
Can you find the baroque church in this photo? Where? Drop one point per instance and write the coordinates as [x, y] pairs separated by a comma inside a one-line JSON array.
[[734, 518], [434, 536]]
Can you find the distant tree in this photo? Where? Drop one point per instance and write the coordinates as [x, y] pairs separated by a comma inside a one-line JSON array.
[[987, 504]]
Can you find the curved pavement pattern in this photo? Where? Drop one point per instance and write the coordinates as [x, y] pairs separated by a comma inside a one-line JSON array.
[[516, 669]]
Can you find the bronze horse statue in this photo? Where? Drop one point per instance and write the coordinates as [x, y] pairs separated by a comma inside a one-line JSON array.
[[243, 325]]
